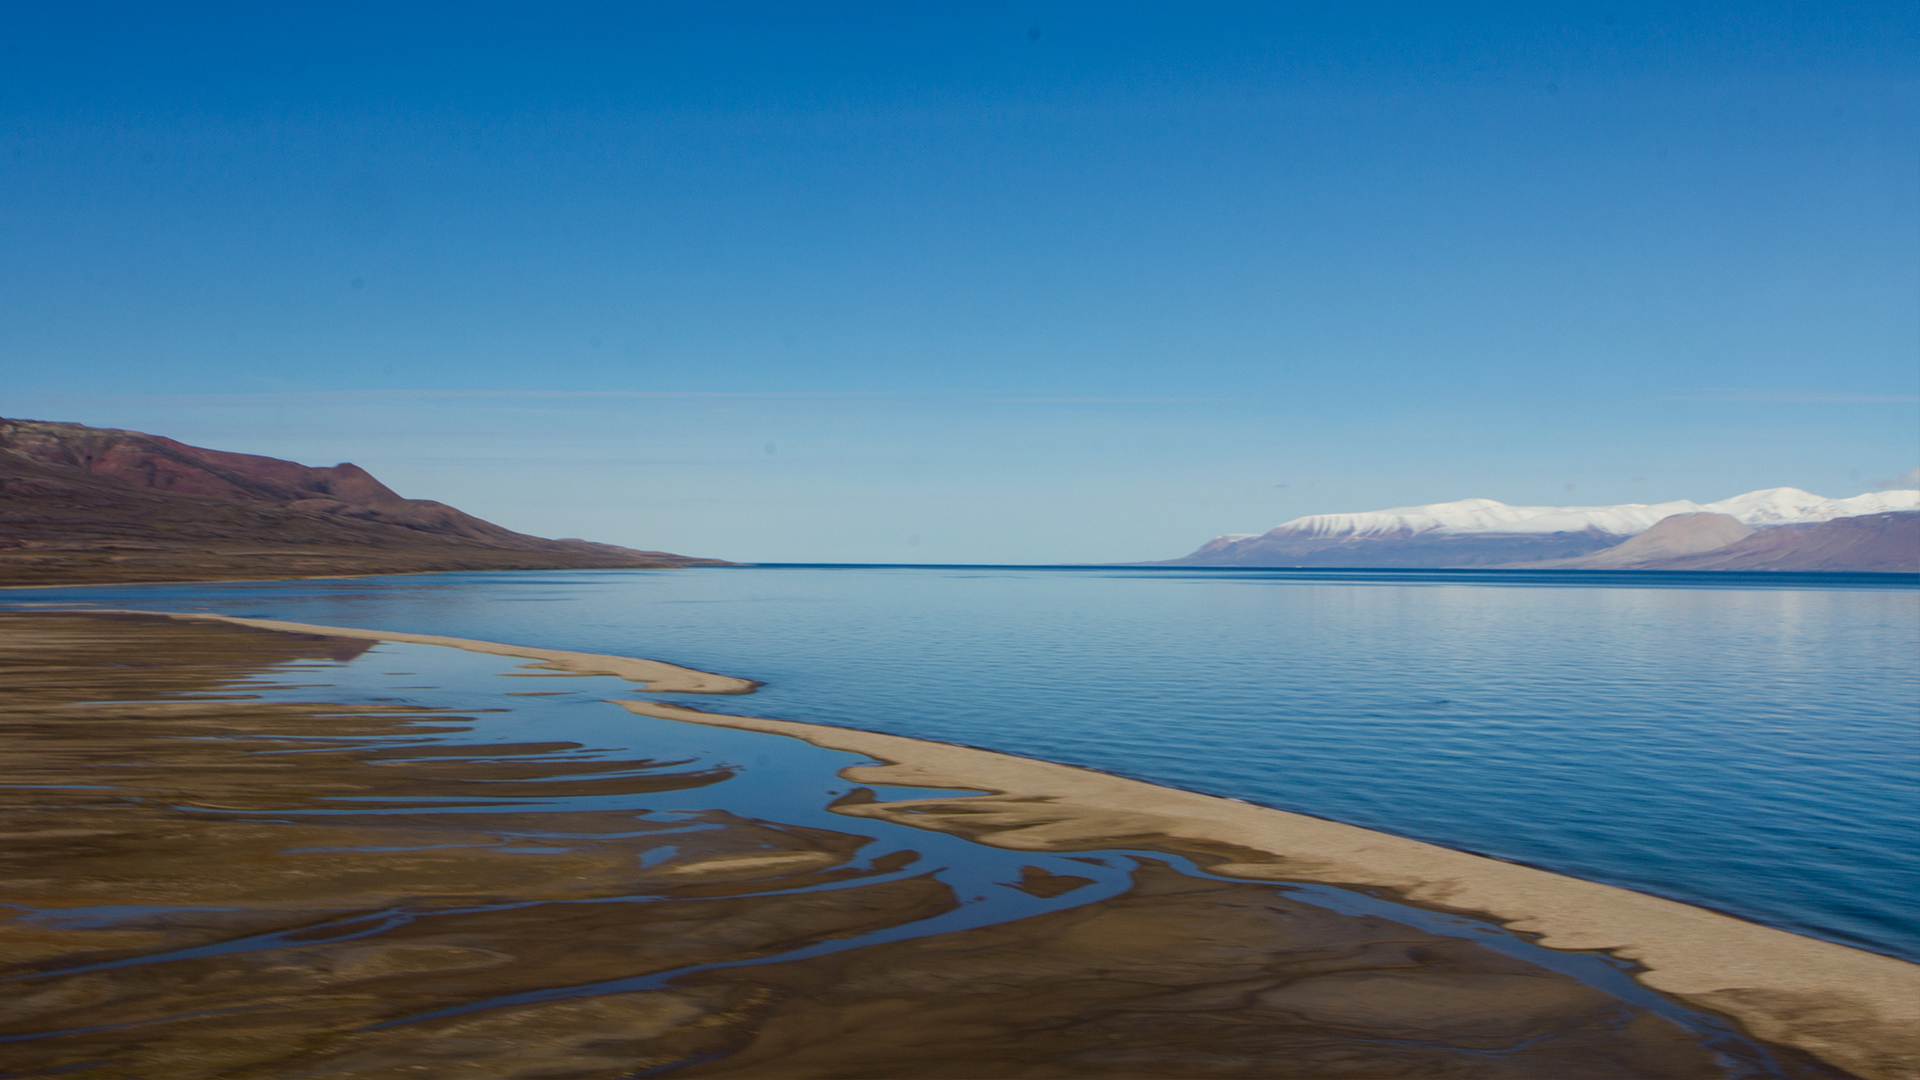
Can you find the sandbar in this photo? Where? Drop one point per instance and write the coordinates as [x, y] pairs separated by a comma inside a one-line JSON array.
[[654, 675], [1854, 1010]]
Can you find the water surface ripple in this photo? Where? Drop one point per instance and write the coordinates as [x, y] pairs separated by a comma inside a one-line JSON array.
[[1745, 742]]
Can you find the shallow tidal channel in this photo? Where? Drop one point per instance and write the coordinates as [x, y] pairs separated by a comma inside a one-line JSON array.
[[1739, 742], [235, 852]]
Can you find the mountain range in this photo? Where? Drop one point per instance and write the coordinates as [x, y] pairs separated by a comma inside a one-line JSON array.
[[85, 504], [1773, 529]]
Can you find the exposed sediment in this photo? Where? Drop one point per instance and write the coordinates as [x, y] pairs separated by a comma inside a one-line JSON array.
[[1856, 1009], [1180, 976], [657, 676]]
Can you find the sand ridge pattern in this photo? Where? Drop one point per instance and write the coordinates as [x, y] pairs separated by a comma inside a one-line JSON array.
[[1853, 1008], [203, 883]]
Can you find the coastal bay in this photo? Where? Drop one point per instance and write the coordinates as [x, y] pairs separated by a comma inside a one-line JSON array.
[[614, 541], [1203, 951], [1742, 745]]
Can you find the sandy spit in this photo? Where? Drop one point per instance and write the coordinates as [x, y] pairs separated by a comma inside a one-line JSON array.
[[1857, 1010], [1854, 1009], [655, 675]]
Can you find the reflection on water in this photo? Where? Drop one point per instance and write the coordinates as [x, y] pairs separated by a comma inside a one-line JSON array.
[[1743, 742], [321, 865]]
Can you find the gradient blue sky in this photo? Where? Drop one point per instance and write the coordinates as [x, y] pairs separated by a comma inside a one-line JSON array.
[[983, 282]]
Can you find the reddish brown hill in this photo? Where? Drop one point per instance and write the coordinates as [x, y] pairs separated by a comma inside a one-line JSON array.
[[97, 504], [156, 461], [1872, 542]]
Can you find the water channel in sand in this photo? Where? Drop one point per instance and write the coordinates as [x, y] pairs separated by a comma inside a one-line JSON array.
[[427, 823], [1743, 742]]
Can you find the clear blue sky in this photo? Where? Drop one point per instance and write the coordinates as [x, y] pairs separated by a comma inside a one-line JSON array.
[[974, 282]]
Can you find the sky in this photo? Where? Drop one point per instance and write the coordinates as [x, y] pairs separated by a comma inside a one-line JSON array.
[[974, 282]]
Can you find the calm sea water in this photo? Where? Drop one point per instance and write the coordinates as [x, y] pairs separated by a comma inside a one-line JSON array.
[[1748, 743]]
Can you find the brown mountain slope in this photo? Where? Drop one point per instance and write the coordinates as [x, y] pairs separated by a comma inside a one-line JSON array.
[[1869, 542], [1669, 538], [81, 504]]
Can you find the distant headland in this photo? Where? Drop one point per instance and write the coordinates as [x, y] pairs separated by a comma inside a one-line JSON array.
[[87, 505], [1776, 529]]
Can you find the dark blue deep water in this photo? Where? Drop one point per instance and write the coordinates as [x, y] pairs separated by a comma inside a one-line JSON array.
[[1750, 743]]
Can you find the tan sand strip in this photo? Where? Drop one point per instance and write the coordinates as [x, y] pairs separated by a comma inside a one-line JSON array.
[[1857, 1010], [655, 675]]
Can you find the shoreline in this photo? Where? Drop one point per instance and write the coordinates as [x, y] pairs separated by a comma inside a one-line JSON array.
[[1907, 578], [1852, 1008], [1857, 1010], [349, 577], [216, 581], [656, 676]]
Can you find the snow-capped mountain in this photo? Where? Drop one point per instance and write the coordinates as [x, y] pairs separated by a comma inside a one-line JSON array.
[[1484, 532], [1760, 509]]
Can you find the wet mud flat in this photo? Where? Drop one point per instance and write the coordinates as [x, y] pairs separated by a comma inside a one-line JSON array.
[[236, 852]]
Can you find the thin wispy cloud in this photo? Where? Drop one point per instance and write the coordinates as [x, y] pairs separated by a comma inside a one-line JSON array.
[[1908, 479], [321, 397], [334, 397], [1793, 397], [1104, 400]]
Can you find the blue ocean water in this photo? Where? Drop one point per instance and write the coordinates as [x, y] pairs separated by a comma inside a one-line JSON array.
[[1744, 742]]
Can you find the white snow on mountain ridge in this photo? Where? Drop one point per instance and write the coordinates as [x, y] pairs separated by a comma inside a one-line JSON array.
[[1760, 509]]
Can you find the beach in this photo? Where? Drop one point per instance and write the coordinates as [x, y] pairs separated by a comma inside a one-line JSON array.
[[426, 934]]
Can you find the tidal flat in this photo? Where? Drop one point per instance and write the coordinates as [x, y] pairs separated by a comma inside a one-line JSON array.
[[242, 852]]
